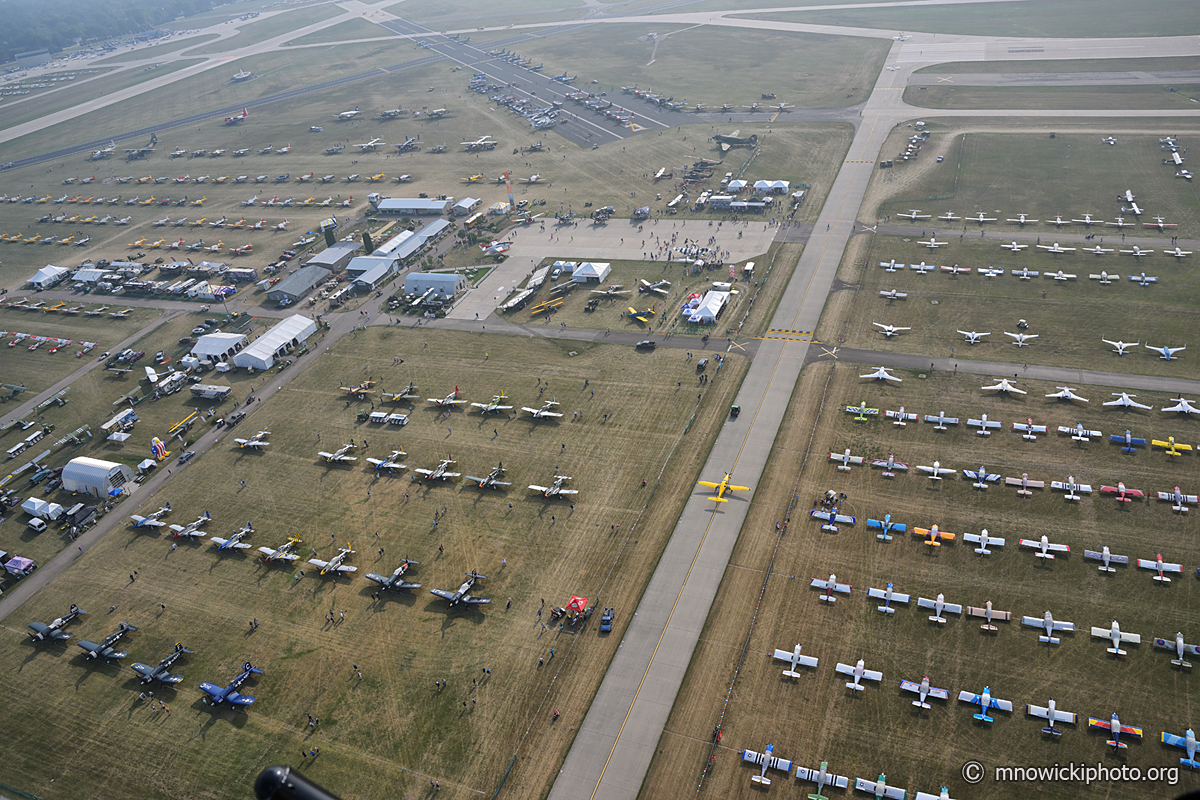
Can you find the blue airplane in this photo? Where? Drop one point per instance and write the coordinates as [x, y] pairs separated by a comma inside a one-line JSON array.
[[230, 693], [887, 526], [564, 78]]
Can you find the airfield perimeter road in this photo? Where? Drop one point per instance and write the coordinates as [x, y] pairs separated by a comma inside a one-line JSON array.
[[1055, 78]]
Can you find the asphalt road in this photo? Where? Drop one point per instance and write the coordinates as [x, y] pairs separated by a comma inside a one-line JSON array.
[[1056, 78]]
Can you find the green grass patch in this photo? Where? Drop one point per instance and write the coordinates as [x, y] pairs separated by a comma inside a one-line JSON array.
[[175, 45], [465, 10], [1050, 18], [254, 32], [1055, 65], [1175, 96], [350, 30]]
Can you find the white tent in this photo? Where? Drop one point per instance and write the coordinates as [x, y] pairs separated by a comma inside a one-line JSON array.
[[736, 186], [708, 309], [218, 346], [95, 477], [282, 338], [590, 272], [35, 506], [48, 276]]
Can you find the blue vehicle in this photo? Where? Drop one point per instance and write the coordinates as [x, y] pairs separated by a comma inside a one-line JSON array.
[[606, 620]]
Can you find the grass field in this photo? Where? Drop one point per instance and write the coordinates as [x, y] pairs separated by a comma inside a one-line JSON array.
[[460, 11], [807, 70], [1055, 97], [154, 51], [350, 30], [1077, 673], [256, 31], [1076, 65], [40, 369], [377, 732], [1051, 18]]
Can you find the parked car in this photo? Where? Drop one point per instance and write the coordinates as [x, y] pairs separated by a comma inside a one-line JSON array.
[[606, 619], [646, 344], [187, 456]]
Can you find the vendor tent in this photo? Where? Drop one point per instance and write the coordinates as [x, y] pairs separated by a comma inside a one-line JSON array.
[[48, 276]]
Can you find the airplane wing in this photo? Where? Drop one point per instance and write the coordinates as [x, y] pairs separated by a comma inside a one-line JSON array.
[[891, 792], [273, 554], [444, 594], [915, 688], [1066, 487], [814, 775], [787, 655], [147, 671], [532, 486], [1096, 555], [975, 538], [316, 562], [144, 522], [347, 568], [975, 611], [476, 601], [1020, 482], [1146, 563], [883, 462], [881, 594]]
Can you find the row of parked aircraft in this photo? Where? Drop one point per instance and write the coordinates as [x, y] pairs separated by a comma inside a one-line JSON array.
[[916, 215], [1124, 399]]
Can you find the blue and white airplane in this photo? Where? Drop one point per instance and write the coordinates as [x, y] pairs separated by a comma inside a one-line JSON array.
[[887, 596], [229, 694], [234, 542], [1187, 742], [886, 526], [766, 761], [985, 701], [153, 520]]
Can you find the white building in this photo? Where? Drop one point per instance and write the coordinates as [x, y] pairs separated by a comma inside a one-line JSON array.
[[282, 338], [218, 346], [465, 206], [445, 285], [95, 477]]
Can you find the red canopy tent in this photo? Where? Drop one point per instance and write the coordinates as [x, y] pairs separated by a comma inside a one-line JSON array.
[[577, 604]]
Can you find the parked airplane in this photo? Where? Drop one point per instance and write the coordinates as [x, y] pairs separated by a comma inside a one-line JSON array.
[[1022, 219], [439, 472], [859, 672], [892, 294], [463, 594], [932, 243], [1166, 353], [339, 456], [1045, 548], [1049, 625], [1024, 273], [767, 761], [1182, 406], [989, 616], [1021, 339], [234, 542], [891, 266], [830, 518], [1124, 494], [915, 214], [1172, 447], [1137, 252], [889, 331], [105, 648], [1072, 488], [938, 606], [1188, 743], [932, 536], [887, 596], [1055, 248], [192, 529], [230, 693], [370, 145], [391, 462], [1029, 430], [924, 690], [1180, 649], [1116, 637], [160, 672], [880, 788], [1014, 246], [821, 777], [981, 477], [941, 419], [729, 140], [935, 472], [285, 551], [396, 581], [1113, 725], [846, 460], [830, 586], [983, 423], [451, 399], [555, 489], [335, 565], [883, 374], [1180, 499], [1052, 714], [1066, 393], [492, 479], [980, 218], [347, 115], [43, 632]]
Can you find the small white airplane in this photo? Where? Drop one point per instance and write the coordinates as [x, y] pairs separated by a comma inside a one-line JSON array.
[[1024, 273], [982, 478], [983, 423], [1166, 353], [1022, 219], [1137, 252], [1107, 140], [1072, 488], [1106, 558], [339, 456], [1098, 250], [251, 201], [887, 596], [985, 702], [830, 518], [1055, 248], [439, 472], [1120, 350], [1003, 386], [915, 214], [1114, 635], [285, 551], [892, 294], [1134, 209], [949, 216], [1066, 393], [956, 269], [983, 539], [451, 399], [931, 244], [796, 660], [1182, 406], [859, 672], [821, 777], [901, 417], [990, 272], [1180, 499], [152, 520], [938, 606], [830, 586], [1087, 220], [234, 542], [891, 266], [1029, 430], [345, 115], [1178, 253], [391, 462], [493, 405], [1113, 725], [989, 616], [974, 337], [371, 145], [1014, 246], [1021, 340], [889, 464], [879, 786], [545, 412], [936, 471], [1180, 649], [256, 441], [941, 420], [1049, 625], [889, 331], [921, 268], [846, 459], [1078, 433], [192, 529], [980, 218], [1104, 278], [766, 761], [882, 373], [1045, 548], [336, 564], [1052, 714], [1187, 742], [555, 489], [923, 690], [1060, 275]]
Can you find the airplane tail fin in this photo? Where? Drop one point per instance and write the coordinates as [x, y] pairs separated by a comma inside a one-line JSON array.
[[1116, 743], [886, 610], [1052, 731], [1189, 762], [719, 499], [982, 717], [919, 704], [765, 781], [1179, 662], [858, 687], [1116, 651]]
